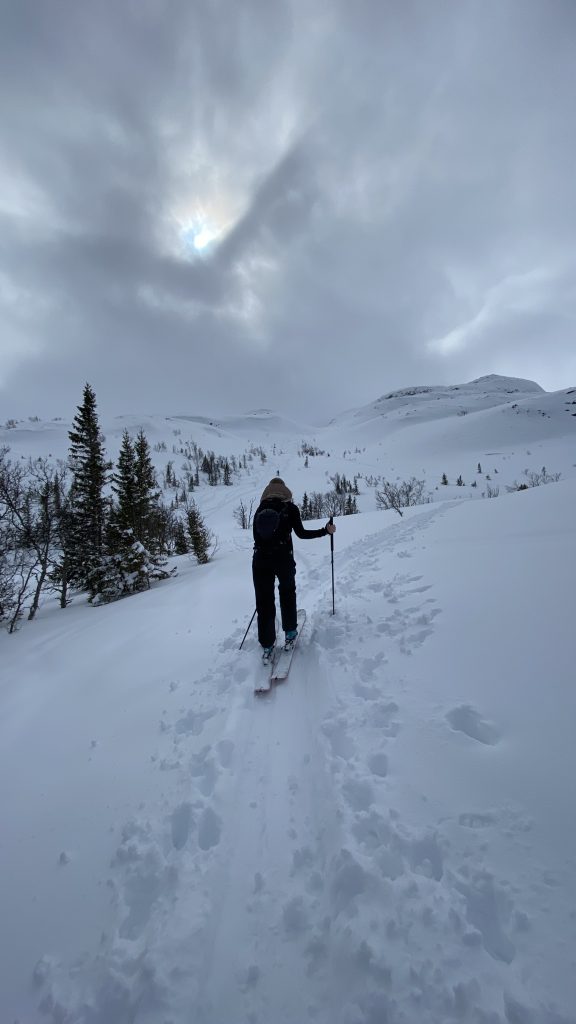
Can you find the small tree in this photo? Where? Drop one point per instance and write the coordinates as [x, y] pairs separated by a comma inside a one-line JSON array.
[[317, 505], [128, 567], [45, 494], [201, 538], [60, 572], [33, 546], [444, 480], [29, 535], [181, 546], [170, 532], [243, 514], [169, 478], [333, 504], [351, 507]]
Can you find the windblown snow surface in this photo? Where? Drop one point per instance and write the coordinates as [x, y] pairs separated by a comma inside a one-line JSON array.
[[387, 838]]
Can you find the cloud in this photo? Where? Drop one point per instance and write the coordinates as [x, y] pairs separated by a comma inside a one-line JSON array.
[[389, 188]]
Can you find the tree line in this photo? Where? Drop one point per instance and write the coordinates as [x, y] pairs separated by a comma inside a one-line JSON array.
[[87, 525], [316, 505]]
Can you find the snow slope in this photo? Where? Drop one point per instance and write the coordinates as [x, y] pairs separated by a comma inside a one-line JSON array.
[[387, 838], [421, 403], [506, 425]]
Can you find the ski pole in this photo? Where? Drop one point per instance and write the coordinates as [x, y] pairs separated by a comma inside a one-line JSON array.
[[246, 633], [332, 560]]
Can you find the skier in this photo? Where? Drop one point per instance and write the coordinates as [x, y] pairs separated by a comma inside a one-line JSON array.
[[274, 520]]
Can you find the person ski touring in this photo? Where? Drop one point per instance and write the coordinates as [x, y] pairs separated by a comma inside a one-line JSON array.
[[274, 520]]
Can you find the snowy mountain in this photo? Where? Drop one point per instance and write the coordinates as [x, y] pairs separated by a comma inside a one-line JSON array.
[[458, 399], [388, 837]]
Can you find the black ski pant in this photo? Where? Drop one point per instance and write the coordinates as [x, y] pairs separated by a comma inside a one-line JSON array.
[[265, 571]]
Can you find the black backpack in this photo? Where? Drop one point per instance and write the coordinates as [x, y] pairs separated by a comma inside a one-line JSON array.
[[271, 525]]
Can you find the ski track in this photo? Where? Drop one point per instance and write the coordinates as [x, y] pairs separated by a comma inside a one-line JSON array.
[[282, 886]]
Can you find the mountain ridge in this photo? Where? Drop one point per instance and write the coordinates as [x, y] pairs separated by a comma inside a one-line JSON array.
[[496, 385]]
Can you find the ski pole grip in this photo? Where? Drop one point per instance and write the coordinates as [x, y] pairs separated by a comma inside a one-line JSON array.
[[331, 523]]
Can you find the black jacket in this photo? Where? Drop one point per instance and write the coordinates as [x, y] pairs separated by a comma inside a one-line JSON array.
[[293, 521]]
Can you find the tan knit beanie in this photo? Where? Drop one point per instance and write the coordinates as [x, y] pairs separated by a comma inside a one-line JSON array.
[[276, 489]]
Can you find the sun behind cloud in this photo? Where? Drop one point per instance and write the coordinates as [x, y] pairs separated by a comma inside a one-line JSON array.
[[199, 233], [201, 224]]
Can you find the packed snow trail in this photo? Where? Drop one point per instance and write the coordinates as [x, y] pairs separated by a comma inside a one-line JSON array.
[[281, 835], [258, 815]]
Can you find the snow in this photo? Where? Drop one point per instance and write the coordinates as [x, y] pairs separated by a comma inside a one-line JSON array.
[[386, 838]]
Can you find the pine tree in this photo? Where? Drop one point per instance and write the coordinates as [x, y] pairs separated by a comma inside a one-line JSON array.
[[133, 536], [124, 486], [444, 480], [200, 536], [88, 506], [146, 493], [128, 567], [181, 546]]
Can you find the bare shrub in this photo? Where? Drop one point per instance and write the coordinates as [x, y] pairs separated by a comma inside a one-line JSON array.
[[399, 496], [243, 514], [535, 479]]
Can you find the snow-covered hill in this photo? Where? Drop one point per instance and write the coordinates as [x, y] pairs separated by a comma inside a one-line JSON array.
[[421, 403], [388, 838]]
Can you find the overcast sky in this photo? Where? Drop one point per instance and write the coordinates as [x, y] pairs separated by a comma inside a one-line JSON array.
[[210, 206]]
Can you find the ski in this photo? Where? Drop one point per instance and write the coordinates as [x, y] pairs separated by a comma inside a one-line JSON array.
[[267, 668], [278, 666], [282, 662]]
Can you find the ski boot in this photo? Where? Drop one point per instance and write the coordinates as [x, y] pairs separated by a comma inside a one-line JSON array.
[[290, 639]]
